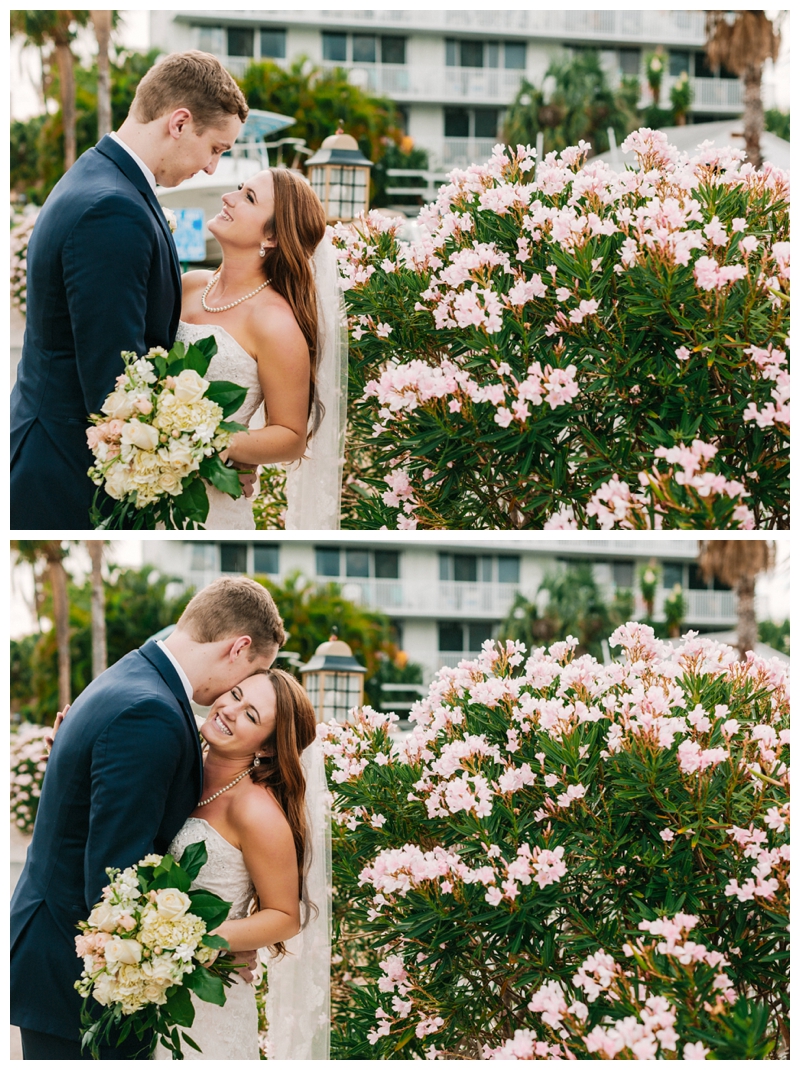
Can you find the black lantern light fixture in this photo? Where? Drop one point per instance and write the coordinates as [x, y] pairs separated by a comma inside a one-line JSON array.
[[339, 175], [334, 680]]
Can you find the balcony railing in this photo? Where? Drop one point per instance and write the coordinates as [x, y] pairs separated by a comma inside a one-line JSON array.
[[450, 661], [651, 27], [703, 608], [462, 151], [441, 599]]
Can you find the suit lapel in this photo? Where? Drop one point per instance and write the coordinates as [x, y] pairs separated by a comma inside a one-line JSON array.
[[159, 660], [133, 172]]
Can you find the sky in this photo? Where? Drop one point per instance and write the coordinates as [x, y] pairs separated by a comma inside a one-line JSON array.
[[128, 553], [134, 33]]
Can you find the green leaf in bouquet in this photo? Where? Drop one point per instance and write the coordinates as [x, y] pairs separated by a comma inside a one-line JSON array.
[[210, 907], [160, 365], [229, 396], [192, 502], [207, 345], [214, 941], [178, 352], [194, 858], [174, 878], [205, 986], [197, 360], [190, 1042], [223, 478], [179, 1005], [232, 426]]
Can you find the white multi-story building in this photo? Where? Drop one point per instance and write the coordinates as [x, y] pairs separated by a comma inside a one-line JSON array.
[[453, 73], [445, 597]]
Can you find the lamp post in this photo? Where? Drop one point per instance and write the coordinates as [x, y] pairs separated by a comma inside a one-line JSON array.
[[339, 175], [334, 680]]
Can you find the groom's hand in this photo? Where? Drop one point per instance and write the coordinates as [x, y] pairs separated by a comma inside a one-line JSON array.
[[49, 738], [249, 479]]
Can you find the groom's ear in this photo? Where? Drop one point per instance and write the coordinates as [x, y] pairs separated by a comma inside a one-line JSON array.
[[240, 647], [177, 121]]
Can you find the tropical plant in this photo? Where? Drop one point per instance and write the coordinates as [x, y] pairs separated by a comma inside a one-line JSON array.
[[742, 42], [568, 603], [777, 122], [654, 71], [55, 31], [775, 635], [574, 347], [321, 101], [102, 23], [567, 860], [49, 554], [649, 578], [405, 156], [99, 651], [675, 611], [737, 564], [28, 763], [680, 97], [579, 105]]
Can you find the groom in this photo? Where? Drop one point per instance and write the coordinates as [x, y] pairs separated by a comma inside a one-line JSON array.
[[124, 774], [104, 276]]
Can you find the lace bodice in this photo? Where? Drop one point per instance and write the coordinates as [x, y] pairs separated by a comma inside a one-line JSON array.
[[233, 363], [231, 1031], [225, 872]]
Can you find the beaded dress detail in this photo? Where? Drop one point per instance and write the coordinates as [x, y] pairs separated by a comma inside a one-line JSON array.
[[229, 1032], [234, 364]]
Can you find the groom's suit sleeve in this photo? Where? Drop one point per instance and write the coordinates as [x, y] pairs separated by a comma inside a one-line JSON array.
[[106, 264], [134, 762]]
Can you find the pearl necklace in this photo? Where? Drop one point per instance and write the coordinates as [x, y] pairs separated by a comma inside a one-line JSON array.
[[241, 776], [233, 304]]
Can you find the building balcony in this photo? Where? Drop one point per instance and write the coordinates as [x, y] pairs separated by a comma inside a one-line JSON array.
[[716, 95], [590, 26], [446, 598]]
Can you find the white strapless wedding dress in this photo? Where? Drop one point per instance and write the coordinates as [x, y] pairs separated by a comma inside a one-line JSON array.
[[235, 365], [229, 1032]]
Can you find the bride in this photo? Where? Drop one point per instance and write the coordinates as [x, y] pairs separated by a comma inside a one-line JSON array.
[[274, 307], [263, 819]]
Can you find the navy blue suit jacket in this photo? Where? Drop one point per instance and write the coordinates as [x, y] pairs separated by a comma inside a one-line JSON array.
[[124, 774], [103, 277]]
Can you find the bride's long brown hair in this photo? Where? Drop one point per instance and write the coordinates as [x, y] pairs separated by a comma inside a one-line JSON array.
[[282, 771], [298, 226]]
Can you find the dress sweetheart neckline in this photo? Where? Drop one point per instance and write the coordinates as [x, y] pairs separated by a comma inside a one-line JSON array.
[[218, 327], [208, 823]]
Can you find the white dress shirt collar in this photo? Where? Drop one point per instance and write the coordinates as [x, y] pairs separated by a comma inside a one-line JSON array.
[[178, 669], [148, 174]]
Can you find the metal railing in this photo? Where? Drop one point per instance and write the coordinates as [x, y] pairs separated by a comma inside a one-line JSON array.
[[440, 599], [450, 661]]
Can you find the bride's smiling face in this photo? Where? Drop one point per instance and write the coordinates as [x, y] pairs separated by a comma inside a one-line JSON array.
[[245, 212], [242, 719]]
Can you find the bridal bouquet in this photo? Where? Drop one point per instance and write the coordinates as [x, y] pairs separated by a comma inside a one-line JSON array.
[[160, 436], [145, 947]]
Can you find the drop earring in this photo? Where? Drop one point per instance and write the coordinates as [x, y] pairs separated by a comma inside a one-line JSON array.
[[256, 760], [262, 251]]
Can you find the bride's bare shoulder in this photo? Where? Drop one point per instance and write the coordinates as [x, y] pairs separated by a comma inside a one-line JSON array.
[[195, 280], [257, 816]]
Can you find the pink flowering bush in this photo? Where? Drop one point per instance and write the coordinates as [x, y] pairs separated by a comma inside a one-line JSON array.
[[21, 228], [566, 859], [28, 763], [564, 333]]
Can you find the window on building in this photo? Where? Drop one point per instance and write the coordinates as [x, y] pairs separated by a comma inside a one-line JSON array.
[[678, 63], [698, 582], [240, 41], [327, 560], [364, 48], [211, 39], [622, 571], [204, 556], [479, 632], [703, 69], [451, 52], [265, 559], [671, 573], [273, 44], [486, 122], [233, 556], [486, 569], [492, 54], [471, 54], [334, 47], [456, 122], [451, 636], [508, 570], [387, 565], [357, 563], [515, 55], [393, 50], [465, 568], [629, 61]]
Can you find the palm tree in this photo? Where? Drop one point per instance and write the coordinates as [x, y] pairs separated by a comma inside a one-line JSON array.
[[99, 649], [742, 41], [736, 563], [102, 22], [52, 554], [56, 30]]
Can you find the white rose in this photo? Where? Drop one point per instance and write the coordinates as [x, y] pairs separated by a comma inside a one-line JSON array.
[[189, 386], [135, 433], [170, 482], [178, 454], [128, 952], [172, 904], [160, 969], [104, 916], [118, 482], [118, 405], [105, 989]]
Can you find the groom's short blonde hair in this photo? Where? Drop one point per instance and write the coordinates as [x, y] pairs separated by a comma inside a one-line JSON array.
[[193, 80], [231, 607]]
